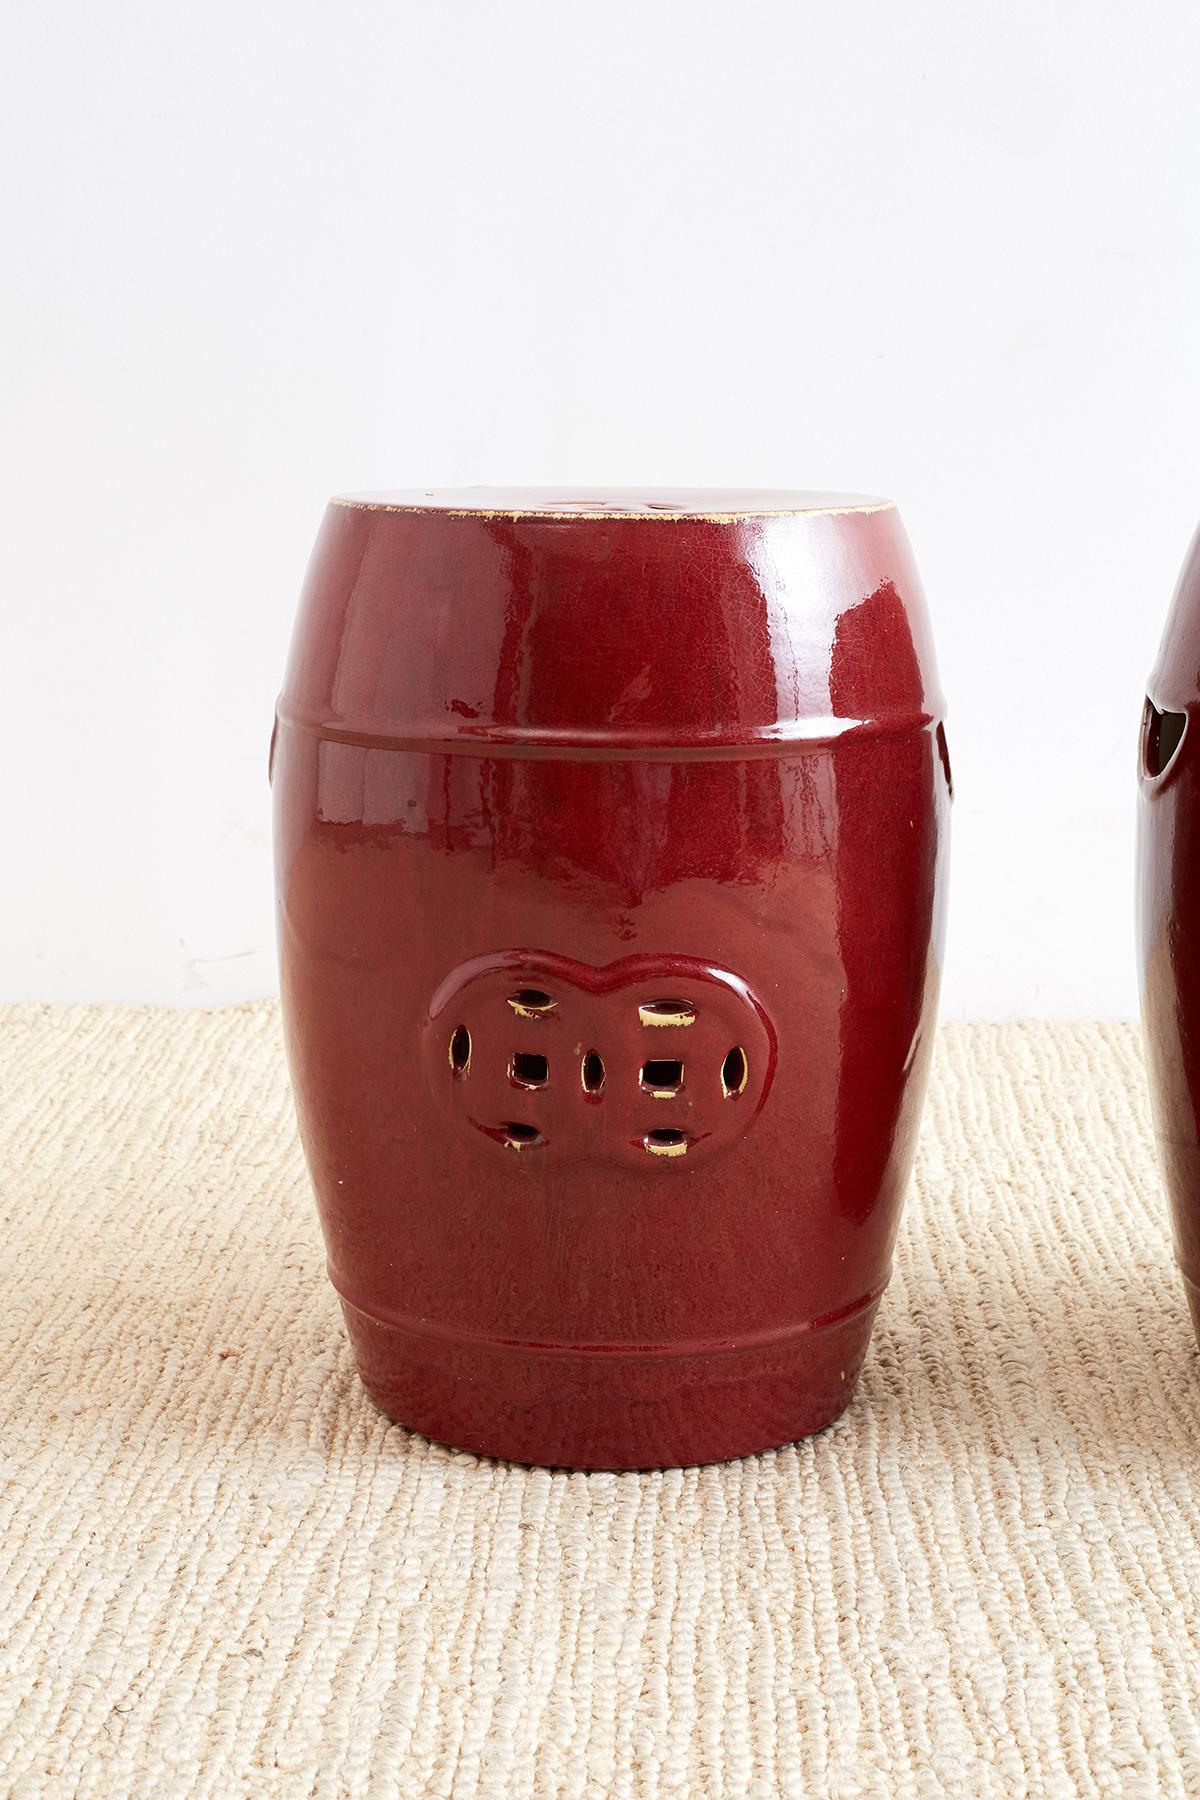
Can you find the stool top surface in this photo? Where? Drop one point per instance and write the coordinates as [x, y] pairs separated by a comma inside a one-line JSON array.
[[615, 503]]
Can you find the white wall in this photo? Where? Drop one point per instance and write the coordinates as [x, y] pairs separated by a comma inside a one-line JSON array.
[[264, 251]]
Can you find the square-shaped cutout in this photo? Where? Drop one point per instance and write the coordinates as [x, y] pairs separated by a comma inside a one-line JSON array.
[[662, 1076], [528, 1070]]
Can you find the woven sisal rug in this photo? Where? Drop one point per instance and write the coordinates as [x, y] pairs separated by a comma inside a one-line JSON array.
[[223, 1573]]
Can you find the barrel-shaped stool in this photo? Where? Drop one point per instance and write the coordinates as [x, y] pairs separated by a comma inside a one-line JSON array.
[[609, 835]]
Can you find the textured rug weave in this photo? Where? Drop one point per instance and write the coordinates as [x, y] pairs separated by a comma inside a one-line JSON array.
[[223, 1573]]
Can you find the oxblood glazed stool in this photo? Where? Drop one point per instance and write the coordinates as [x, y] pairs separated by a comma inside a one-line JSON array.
[[1168, 921], [609, 830]]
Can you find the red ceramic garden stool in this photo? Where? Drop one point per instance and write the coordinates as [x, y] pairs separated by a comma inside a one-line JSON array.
[[1168, 919], [609, 834]]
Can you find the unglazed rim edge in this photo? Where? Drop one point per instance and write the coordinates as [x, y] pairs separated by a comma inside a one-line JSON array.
[[672, 518]]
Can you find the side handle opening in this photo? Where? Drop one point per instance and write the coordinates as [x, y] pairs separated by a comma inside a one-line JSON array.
[[1162, 734]]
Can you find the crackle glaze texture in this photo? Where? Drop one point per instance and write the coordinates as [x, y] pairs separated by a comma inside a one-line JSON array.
[[609, 833], [1168, 922]]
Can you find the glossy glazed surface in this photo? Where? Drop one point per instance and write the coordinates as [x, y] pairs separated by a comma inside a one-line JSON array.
[[608, 848], [1168, 921]]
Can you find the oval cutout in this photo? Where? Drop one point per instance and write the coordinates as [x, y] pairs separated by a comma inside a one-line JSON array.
[[521, 1137], [531, 1003], [460, 1050], [667, 1012], [1162, 734], [734, 1073], [944, 752], [592, 1072], [666, 1142]]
